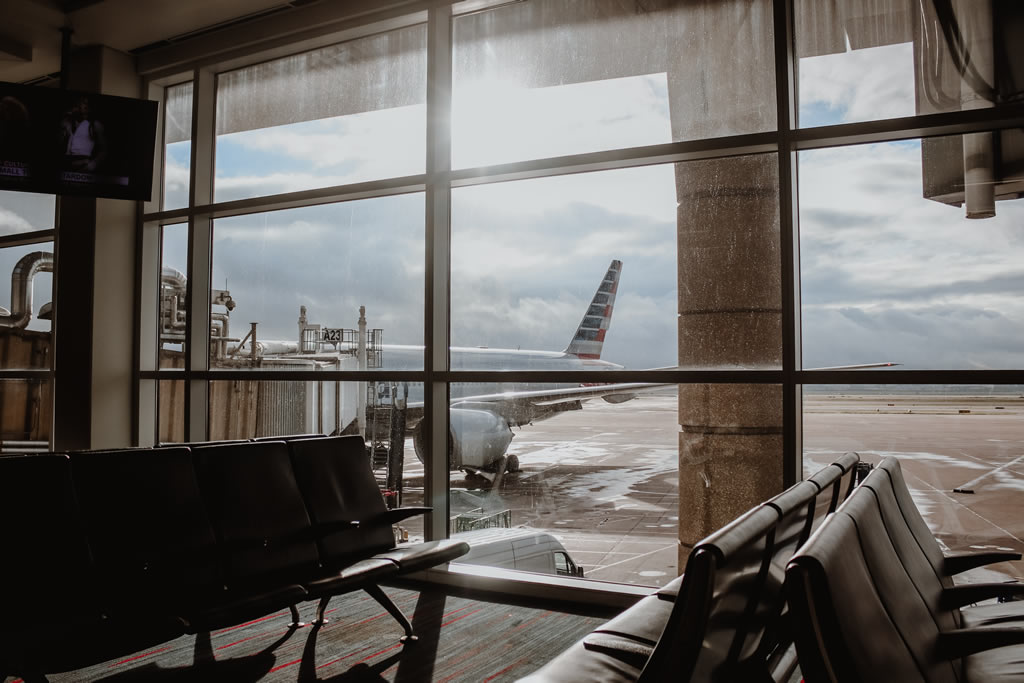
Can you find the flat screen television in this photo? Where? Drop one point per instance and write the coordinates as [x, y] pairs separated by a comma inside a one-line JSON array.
[[76, 143]]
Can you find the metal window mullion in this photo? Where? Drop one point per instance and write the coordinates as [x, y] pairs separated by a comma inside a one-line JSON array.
[[438, 266], [785, 95], [197, 332]]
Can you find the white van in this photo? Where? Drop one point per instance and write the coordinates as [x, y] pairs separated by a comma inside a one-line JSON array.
[[525, 549]]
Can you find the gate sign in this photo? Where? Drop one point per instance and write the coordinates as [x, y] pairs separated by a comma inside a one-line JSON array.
[[330, 334]]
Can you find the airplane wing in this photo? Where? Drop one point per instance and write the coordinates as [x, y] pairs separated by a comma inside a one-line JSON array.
[[520, 407]]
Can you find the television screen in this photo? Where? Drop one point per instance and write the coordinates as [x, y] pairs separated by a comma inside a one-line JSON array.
[[67, 142]]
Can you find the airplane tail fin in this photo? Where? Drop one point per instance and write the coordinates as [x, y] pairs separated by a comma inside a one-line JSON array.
[[589, 337]]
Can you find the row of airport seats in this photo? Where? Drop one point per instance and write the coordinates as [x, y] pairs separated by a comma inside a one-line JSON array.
[[111, 552], [727, 617], [873, 599]]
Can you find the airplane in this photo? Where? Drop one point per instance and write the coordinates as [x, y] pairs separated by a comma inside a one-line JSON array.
[[481, 423], [482, 416]]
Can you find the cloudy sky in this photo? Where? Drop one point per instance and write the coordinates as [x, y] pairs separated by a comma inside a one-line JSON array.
[[887, 274]]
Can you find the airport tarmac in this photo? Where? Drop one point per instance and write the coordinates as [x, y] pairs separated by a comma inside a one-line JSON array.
[[603, 479]]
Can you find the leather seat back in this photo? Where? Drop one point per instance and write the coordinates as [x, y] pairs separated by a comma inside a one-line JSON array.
[[842, 631], [918, 527], [742, 551], [337, 484], [257, 511], [904, 604], [47, 565], [147, 524], [909, 549]]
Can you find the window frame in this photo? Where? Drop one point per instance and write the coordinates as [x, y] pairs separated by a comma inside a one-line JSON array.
[[437, 182]]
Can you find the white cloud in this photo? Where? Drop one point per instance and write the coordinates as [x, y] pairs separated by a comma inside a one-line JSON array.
[[860, 85], [495, 122], [11, 223]]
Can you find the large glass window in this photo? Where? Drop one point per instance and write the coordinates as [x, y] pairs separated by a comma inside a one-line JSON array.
[[684, 249], [338, 115], [892, 270]]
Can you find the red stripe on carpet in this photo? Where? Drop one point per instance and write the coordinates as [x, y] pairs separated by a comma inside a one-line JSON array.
[[533, 621], [248, 623], [144, 654], [505, 670], [239, 642], [285, 666], [351, 654], [468, 614], [389, 649]]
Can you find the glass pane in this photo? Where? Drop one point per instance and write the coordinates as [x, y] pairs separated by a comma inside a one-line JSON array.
[[177, 145], [27, 415], [25, 212], [173, 290], [171, 415], [546, 78], [949, 439], [303, 277], [891, 269], [899, 58], [26, 317], [598, 481], [341, 114], [662, 264]]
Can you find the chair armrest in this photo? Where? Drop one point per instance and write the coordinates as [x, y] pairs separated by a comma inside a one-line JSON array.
[[970, 593], [968, 641], [389, 517], [321, 529], [961, 561]]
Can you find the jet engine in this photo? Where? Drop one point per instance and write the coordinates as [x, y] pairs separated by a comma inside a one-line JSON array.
[[477, 440]]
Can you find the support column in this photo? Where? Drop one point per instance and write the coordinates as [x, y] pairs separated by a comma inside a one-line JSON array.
[[730, 290], [730, 314], [94, 291]]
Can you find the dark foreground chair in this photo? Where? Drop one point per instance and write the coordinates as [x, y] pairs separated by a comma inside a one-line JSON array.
[[730, 620], [51, 617], [351, 521], [707, 629], [860, 616], [947, 564], [266, 539], [927, 565]]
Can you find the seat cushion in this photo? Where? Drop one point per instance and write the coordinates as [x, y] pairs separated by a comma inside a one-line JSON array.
[[999, 613], [1000, 664]]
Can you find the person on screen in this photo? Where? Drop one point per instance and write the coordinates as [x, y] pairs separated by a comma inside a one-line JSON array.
[[84, 139]]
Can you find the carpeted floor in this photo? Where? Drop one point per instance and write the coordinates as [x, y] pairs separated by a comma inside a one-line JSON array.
[[460, 639]]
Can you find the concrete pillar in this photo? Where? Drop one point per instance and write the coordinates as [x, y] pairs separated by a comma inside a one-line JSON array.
[[721, 82], [95, 291], [730, 314]]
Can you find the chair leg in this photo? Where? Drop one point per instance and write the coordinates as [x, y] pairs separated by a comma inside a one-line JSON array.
[[320, 609], [380, 596], [296, 622]]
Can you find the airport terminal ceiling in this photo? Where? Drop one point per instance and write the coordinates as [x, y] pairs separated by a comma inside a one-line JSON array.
[[589, 277]]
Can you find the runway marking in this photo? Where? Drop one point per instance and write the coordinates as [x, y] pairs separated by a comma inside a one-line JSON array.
[[972, 482], [965, 507], [630, 559]]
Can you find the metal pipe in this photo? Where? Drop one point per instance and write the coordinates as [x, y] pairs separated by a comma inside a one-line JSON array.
[[22, 276], [361, 386]]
